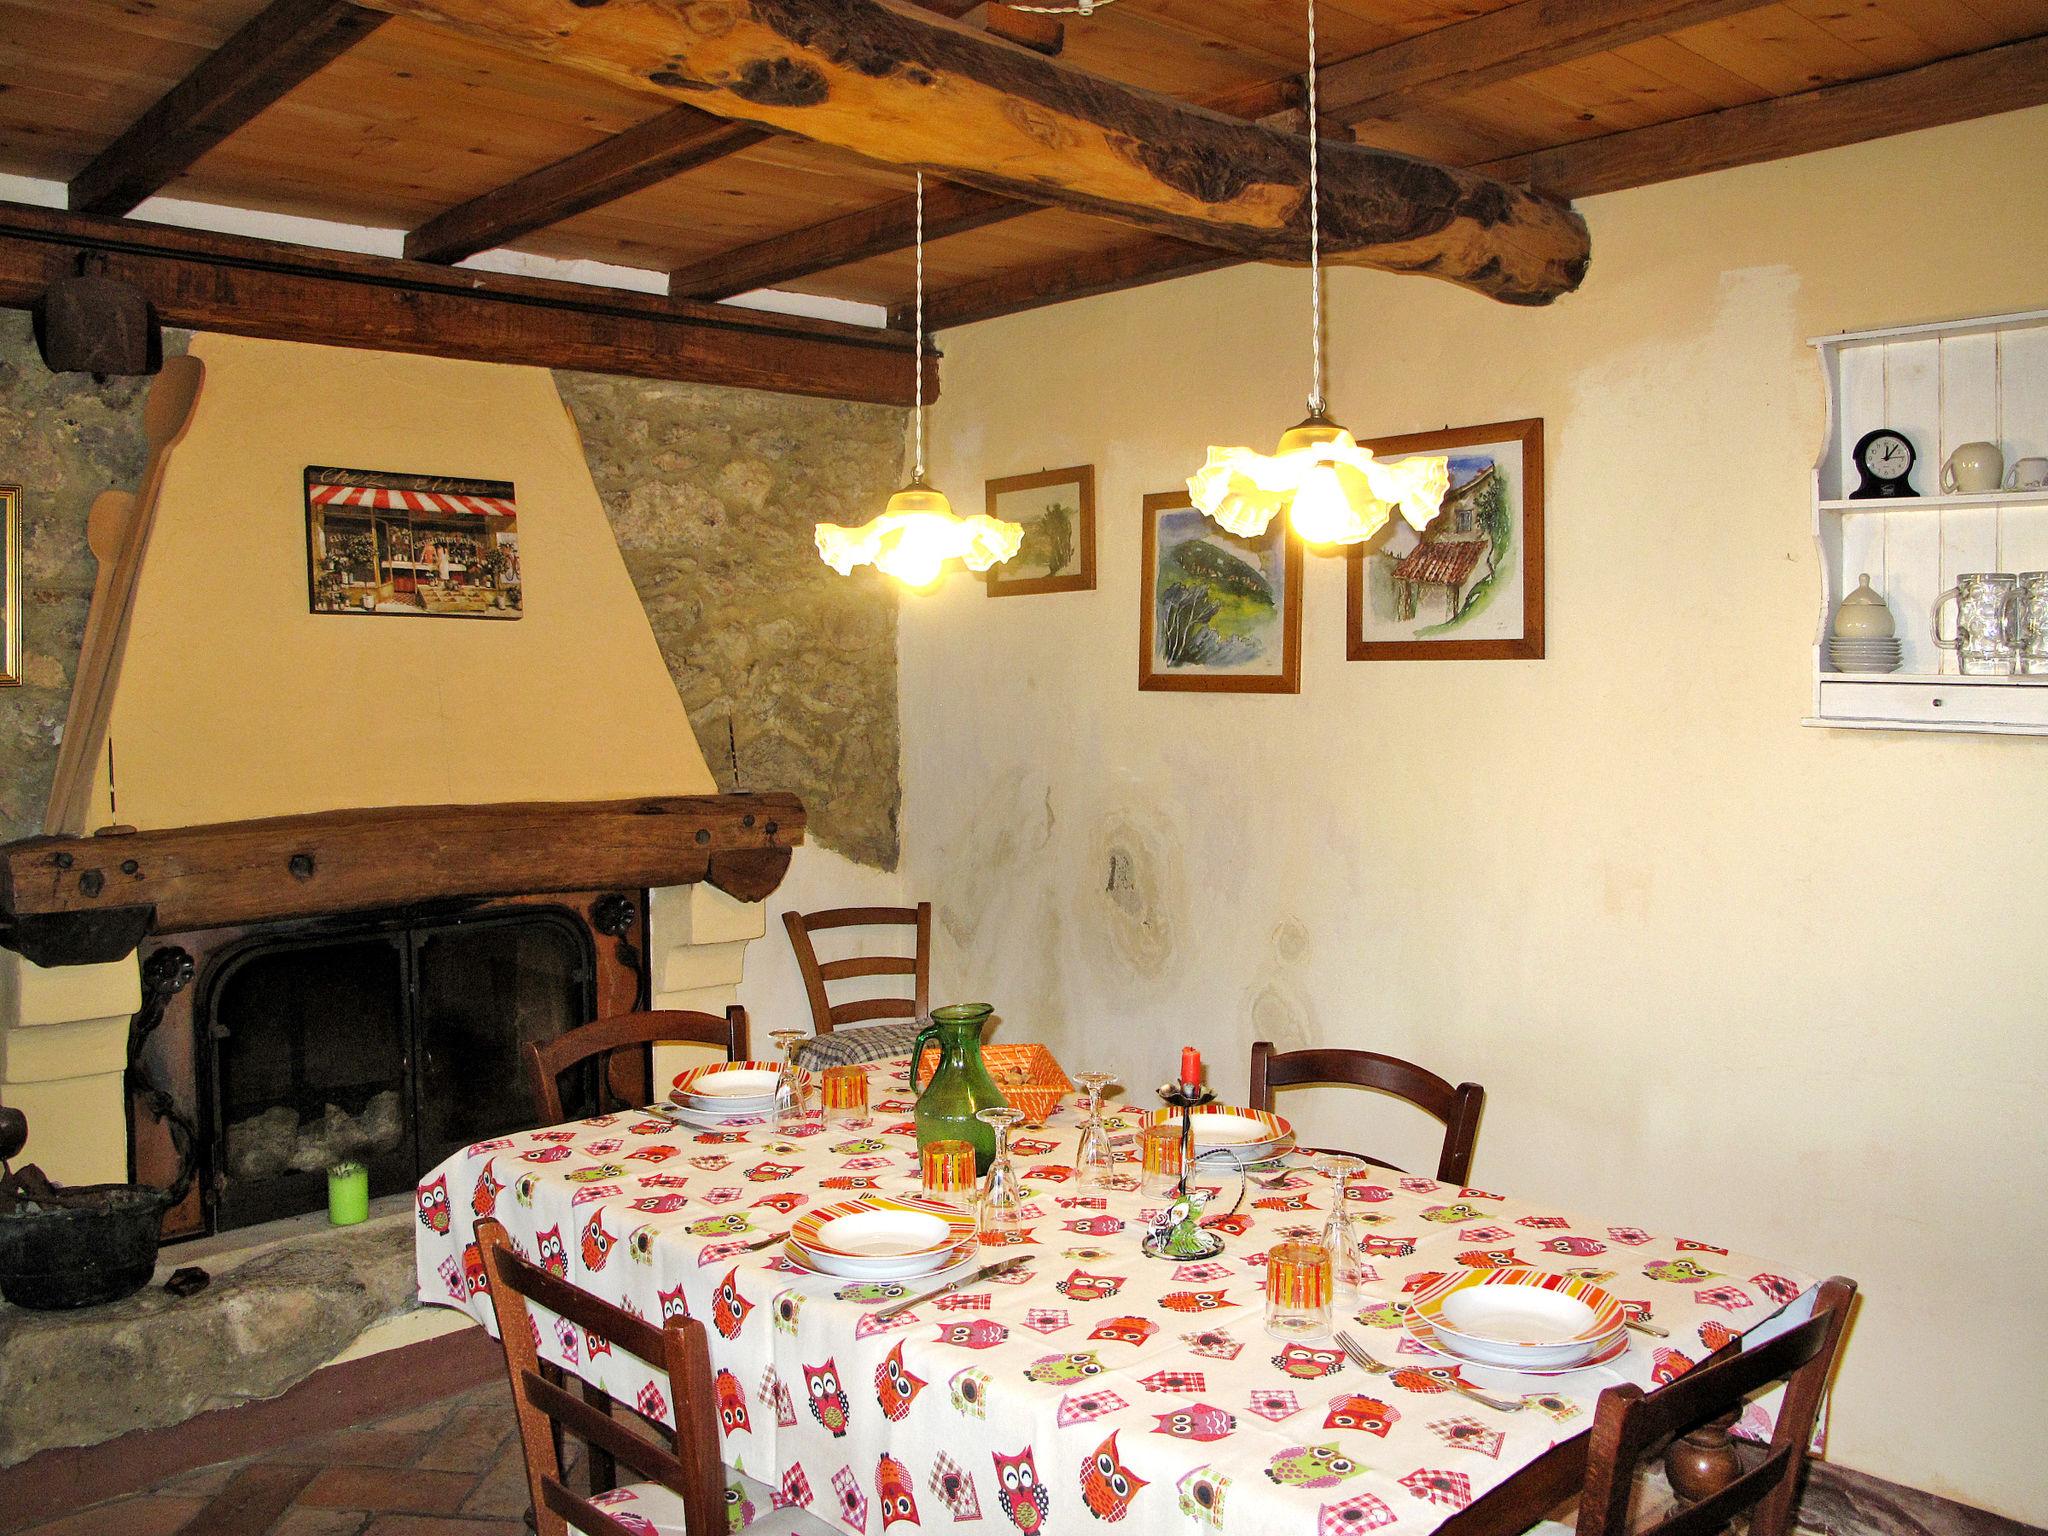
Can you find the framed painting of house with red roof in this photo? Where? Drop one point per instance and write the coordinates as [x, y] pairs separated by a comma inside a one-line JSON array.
[[416, 546], [1469, 585]]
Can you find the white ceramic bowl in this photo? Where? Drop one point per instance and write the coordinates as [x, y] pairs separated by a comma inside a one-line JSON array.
[[915, 1267]]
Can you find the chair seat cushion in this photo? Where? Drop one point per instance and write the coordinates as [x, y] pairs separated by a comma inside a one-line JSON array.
[[851, 1047], [653, 1510]]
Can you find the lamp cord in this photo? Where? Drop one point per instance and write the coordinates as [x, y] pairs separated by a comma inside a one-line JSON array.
[[1315, 229], [917, 356]]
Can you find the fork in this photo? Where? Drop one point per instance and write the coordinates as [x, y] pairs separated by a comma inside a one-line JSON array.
[[1357, 1352], [767, 1242]]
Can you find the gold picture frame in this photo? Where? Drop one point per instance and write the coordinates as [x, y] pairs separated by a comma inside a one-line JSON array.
[[10, 586]]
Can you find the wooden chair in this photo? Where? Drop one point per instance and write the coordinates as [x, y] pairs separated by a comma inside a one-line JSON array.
[[685, 1481], [825, 1015], [625, 1076], [1457, 1107], [1631, 1425]]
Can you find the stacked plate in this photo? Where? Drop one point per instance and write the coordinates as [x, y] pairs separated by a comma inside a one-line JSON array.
[[1231, 1137], [1521, 1319], [726, 1091], [882, 1237], [1847, 654]]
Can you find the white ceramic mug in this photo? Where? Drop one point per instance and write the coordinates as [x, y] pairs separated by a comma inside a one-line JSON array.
[[2027, 475], [1973, 469]]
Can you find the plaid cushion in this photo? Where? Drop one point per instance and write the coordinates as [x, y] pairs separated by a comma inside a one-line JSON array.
[[853, 1047]]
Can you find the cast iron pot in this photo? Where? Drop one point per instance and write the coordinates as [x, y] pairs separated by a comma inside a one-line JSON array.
[[55, 1257]]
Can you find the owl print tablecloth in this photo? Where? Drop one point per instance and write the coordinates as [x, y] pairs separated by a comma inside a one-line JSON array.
[[1092, 1385]]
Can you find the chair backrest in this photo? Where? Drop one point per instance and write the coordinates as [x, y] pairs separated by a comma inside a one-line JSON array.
[[689, 1465], [1458, 1107], [1631, 1424], [916, 965], [624, 1043]]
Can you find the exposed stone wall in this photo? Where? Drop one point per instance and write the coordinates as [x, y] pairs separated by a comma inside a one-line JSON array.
[[712, 493], [63, 440]]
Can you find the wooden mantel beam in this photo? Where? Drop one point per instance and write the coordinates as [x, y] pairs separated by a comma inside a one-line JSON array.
[[283, 44], [903, 86], [677, 140], [248, 287]]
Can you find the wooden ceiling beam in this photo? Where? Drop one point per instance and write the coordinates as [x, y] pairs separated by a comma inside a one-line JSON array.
[[890, 226], [2001, 79], [1501, 45], [283, 44], [1150, 260], [902, 86], [246, 287], [677, 140]]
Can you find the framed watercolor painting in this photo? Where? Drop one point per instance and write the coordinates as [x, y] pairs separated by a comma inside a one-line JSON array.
[[10, 586], [1057, 510], [1470, 585], [418, 546], [1216, 613]]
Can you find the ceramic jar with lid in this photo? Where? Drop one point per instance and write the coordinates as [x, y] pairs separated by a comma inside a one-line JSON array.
[[1864, 614]]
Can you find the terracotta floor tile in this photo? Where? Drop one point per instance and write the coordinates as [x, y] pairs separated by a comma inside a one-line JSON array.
[[146, 1514], [252, 1502], [372, 1446], [301, 1521], [472, 1438], [381, 1489], [205, 1482], [502, 1490], [436, 1525]]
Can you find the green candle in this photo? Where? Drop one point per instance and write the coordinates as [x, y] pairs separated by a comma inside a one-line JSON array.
[[348, 1194]]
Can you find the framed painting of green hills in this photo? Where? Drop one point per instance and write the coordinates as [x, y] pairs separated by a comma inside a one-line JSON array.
[[1217, 613]]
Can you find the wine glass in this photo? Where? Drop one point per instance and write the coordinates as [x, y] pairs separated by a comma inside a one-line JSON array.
[[1095, 1161], [790, 1092], [1347, 1259], [1002, 1204]]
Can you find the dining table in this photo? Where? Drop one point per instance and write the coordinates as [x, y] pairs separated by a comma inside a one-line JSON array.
[[1091, 1384]]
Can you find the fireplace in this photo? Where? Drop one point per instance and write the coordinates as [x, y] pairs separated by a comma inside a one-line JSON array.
[[390, 1042]]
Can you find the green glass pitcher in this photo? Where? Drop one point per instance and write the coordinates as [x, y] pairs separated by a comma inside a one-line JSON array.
[[960, 1085]]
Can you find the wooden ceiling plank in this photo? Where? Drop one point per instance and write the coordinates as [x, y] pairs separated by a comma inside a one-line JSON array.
[[248, 287], [282, 45], [948, 210], [908, 88], [2002, 79], [1501, 45], [1150, 260], [664, 146]]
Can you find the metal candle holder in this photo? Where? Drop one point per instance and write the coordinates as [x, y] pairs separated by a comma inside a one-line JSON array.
[[1179, 1234]]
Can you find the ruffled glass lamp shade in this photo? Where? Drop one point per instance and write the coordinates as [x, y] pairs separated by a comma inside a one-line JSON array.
[[1334, 491], [914, 537]]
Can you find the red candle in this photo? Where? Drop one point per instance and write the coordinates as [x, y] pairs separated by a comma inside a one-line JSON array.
[[1190, 1068]]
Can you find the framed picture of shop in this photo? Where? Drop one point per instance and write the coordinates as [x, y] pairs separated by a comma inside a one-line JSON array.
[[10, 586], [417, 546]]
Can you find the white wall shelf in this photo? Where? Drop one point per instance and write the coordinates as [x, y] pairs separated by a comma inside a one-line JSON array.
[[1941, 385]]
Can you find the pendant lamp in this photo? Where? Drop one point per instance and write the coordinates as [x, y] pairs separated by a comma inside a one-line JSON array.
[[1332, 490], [918, 531]]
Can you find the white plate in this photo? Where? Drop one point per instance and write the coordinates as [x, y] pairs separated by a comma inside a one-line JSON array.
[[883, 1234], [1603, 1351], [917, 1267], [1497, 1315], [725, 1086], [709, 1120]]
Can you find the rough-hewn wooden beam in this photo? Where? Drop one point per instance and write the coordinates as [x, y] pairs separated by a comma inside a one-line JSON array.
[[2001, 79], [59, 894], [283, 44], [890, 226], [650, 152], [1500, 45], [906, 87], [1143, 261], [248, 287], [1027, 29]]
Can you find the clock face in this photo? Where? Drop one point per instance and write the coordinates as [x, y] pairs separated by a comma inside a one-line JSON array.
[[1887, 456]]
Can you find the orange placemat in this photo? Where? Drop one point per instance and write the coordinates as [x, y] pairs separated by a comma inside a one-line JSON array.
[[1031, 1079]]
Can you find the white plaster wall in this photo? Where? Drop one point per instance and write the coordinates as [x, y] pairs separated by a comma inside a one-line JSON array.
[[1775, 987]]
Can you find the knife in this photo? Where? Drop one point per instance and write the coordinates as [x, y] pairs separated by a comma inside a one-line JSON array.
[[1000, 1267]]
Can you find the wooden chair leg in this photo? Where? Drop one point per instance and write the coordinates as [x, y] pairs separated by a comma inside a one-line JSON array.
[[1701, 1462]]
